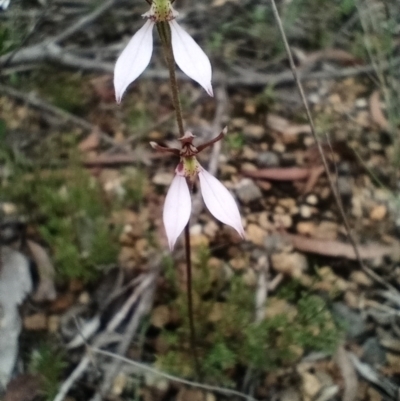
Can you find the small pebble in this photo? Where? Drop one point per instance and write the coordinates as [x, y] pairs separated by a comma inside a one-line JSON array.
[[312, 199], [361, 103], [305, 211], [247, 191], [279, 147], [254, 131], [283, 220], [268, 159], [378, 213]]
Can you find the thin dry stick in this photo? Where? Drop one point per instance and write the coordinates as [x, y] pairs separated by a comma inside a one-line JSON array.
[[146, 368], [367, 270]]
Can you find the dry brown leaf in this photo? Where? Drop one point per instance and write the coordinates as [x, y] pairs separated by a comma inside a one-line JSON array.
[[280, 124], [46, 290], [376, 112], [341, 250], [91, 142], [348, 373], [336, 55], [279, 174]]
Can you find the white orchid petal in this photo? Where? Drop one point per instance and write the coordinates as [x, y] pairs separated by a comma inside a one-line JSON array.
[[220, 202], [190, 57], [177, 208], [133, 59]]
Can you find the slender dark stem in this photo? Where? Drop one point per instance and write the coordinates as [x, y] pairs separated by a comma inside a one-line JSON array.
[[164, 31], [165, 34], [190, 301]]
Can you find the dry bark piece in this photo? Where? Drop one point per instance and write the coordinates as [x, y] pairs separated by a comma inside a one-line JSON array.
[[342, 250], [279, 174], [46, 290], [91, 142], [280, 124], [349, 374], [376, 112]]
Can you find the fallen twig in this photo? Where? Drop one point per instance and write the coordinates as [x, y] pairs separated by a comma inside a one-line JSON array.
[[146, 368], [339, 249]]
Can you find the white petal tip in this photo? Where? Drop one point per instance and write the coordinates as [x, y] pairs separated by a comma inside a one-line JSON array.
[[134, 59], [209, 90], [190, 57], [177, 209]]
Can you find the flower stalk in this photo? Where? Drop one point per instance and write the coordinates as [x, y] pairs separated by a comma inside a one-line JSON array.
[[164, 32]]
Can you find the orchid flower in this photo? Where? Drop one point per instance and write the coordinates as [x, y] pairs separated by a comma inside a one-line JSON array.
[[178, 205], [136, 56]]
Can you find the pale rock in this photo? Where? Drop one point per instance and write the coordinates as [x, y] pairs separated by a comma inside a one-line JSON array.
[[345, 185], [325, 193], [217, 312], [306, 211], [238, 122], [264, 185], [279, 147], [254, 131], [357, 208], [247, 191], [35, 322], [291, 264], [277, 306], [326, 230], [160, 316], [352, 299], [249, 167], [378, 213], [361, 278], [308, 141], [375, 146], [53, 324], [227, 169], [155, 381], [248, 153], [211, 228], [282, 220], [287, 203], [263, 221], [238, 263], [199, 240], [163, 178], [312, 199], [84, 298], [196, 229], [119, 384], [9, 208], [268, 159], [250, 278], [361, 103], [256, 234], [294, 210]]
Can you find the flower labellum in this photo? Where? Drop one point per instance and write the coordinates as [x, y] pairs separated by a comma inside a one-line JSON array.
[[136, 56], [217, 198]]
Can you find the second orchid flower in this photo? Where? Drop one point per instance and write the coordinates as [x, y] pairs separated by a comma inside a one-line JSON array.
[[136, 56], [178, 204]]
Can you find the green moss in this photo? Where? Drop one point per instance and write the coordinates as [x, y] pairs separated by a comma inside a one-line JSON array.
[[48, 362], [71, 213]]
